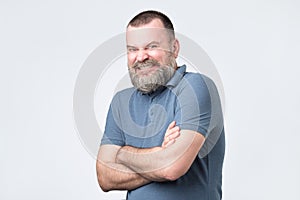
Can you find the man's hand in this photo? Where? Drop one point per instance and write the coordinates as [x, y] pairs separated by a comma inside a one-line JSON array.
[[171, 134]]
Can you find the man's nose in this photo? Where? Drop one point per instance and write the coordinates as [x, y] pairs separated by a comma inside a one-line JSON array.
[[142, 55]]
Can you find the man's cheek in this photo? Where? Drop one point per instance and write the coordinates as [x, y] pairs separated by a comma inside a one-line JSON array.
[[130, 59]]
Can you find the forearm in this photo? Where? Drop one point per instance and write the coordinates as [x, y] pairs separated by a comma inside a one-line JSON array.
[[162, 164], [113, 176], [152, 163], [142, 161], [147, 162]]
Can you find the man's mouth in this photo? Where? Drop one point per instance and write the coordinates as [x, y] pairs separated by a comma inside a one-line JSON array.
[[146, 70]]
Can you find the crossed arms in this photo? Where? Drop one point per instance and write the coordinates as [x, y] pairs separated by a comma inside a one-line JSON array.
[[127, 168]]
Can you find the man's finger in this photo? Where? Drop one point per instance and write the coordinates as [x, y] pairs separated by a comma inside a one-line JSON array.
[[174, 135], [172, 131], [169, 143]]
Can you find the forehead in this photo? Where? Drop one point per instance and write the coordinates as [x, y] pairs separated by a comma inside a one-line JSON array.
[[144, 34]]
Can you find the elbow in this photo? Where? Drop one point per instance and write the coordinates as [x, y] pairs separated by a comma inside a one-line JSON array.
[[102, 180], [171, 176], [172, 173], [104, 186]]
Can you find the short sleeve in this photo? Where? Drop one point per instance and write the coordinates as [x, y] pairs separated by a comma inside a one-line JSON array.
[[194, 103], [113, 133]]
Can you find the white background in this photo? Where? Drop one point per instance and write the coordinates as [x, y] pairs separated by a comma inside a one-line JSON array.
[[254, 45]]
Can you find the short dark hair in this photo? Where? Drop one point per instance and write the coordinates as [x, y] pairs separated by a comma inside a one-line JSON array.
[[146, 17]]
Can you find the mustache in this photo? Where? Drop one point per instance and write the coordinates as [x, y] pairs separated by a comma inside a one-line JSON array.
[[145, 64]]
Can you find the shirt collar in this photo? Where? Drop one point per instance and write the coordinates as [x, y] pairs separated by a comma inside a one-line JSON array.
[[177, 76]]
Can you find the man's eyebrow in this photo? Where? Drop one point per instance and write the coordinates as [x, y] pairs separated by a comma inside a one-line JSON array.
[[130, 46], [152, 42]]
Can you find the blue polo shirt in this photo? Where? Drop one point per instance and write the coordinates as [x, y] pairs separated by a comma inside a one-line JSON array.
[[140, 120]]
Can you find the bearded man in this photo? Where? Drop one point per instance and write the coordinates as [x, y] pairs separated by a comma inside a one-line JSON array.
[[157, 132]]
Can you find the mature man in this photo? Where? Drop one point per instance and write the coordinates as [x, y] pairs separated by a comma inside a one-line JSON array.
[[164, 137]]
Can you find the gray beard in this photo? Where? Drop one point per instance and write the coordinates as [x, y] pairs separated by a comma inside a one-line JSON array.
[[150, 83]]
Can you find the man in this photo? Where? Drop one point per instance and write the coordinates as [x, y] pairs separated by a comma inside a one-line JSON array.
[[164, 138]]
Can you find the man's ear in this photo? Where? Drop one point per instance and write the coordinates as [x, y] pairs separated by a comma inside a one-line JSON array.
[[176, 48]]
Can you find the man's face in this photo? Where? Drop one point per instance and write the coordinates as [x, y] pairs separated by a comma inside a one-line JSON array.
[[151, 55]]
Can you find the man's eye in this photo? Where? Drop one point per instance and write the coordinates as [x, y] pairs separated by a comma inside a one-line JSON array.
[[153, 46], [131, 49]]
